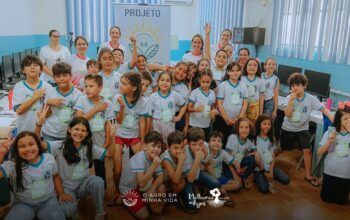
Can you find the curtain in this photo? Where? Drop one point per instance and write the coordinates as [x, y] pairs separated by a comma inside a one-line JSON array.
[[93, 18]]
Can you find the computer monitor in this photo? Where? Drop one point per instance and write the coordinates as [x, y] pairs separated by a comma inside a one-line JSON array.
[[22, 55], [28, 51], [7, 68], [254, 35], [284, 72], [16, 63], [318, 83]]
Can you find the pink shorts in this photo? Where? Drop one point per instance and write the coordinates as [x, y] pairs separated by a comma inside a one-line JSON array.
[[126, 141]]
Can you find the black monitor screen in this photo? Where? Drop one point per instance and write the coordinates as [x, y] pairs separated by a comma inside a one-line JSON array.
[[7, 66], [284, 72], [16, 62], [254, 36], [318, 83]]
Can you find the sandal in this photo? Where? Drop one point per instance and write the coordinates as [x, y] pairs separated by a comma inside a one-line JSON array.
[[313, 182]]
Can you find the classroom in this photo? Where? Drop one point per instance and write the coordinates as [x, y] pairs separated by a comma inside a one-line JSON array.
[[174, 109]]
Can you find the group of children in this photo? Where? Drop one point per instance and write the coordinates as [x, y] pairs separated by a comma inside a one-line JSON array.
[[168, 129]]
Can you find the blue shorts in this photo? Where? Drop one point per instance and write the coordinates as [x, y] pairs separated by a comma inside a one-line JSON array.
[[223, 179]]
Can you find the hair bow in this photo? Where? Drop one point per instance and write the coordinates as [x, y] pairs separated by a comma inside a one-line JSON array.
[[342, 105]]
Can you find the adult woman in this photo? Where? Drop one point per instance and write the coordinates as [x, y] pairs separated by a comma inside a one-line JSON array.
[[226, 36], [243, 56], [115, 34], [78, 60], [195, 54], [52, 53]]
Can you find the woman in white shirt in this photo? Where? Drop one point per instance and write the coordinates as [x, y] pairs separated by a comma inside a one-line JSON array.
[[51, 54], [195, 54], [78, 61], [226, 36], [115, 34]]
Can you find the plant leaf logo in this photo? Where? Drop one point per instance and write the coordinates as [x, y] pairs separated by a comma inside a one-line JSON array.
[[151, 51]]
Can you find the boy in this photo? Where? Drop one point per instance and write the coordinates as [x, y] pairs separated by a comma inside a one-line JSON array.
[[295, 127], [99, 112], [61, 100], [173, 160], [92, 68], [118, 54], [143, 176], [197, 154], [29, 94], [220, 156]]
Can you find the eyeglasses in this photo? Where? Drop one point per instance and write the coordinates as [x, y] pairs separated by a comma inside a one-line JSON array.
[[55, 36]]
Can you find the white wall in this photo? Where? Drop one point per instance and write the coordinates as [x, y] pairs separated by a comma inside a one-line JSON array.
[[29, 17], [259, 12]]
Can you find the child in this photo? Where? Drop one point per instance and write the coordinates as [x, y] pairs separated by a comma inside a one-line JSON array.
[[230, 53], [240, 146], [98, 111], [173, 160], [255, 88], [145, 177], [111, 79], [192, 68], [201, 104], [74, 157], [202, 66], [119, 65], [272, 88], [178, 85], [335, 142], [197, 156], [162, 105], [146, 81], [29, 94], [130, 109], [220, 61], [295, 126], [61, 100], [265, 144], [231, 100], [195, 54], [92, 68], [220, 156], [34, 175]]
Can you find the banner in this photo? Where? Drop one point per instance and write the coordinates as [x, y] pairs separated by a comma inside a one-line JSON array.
[[150, 24]]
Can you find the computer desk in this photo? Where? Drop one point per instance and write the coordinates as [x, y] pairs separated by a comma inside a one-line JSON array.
[[316, 117]]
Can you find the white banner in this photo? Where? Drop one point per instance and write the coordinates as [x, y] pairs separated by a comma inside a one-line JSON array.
[[151, 26]]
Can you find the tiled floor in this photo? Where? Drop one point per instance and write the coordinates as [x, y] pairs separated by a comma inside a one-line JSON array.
[[298, 200]]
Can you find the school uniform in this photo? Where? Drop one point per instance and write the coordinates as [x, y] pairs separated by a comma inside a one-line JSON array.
[[76, 180], [97, 126], [266, 149], [49, 57], [166, 156], [110, 85], [21, 93], [336, 174], [221, 157], [270, 85], [55, 126], [202, 119], [129, 131], [255, 87], [79, 69], [191, 57], [218, 75], [162, 109], [109, 45], [232, 96], [239, 150], [184, 92], [39, 196], [295, 129]]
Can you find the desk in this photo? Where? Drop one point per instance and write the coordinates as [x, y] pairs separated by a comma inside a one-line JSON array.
[[316, 117]]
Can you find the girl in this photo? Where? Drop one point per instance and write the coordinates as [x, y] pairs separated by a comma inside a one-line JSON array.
[[265, 144], [272, 88], [243, 56], [335, 142], [195, 54], [78, 61], [75, 157], [220, 61], [162, 105], [192, 67], [230, 53], [255, 87], [201, 104], [178, 85], [52, 53], [115, 34], [241, 147], [130, 108], [119, 65], [231, 100], [203, 65], [111, 79], [34, 177], [226, 36]]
